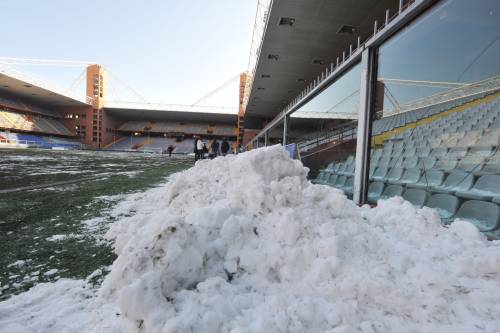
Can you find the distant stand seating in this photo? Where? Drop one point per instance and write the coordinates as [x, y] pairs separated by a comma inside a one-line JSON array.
[[153, 144], [451, 163], [172, 127], [16, 121], [38, 141]]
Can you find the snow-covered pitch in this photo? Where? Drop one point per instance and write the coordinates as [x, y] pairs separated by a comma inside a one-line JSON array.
[[247, 244]]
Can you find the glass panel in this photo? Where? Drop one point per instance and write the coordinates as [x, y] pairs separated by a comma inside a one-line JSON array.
[[339, 100], [438, 108], [325, 130]]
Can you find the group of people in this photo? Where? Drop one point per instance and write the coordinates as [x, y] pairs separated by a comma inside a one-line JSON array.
[[214, 149]]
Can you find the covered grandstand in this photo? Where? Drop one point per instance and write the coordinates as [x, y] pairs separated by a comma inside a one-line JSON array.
[[34, 116], [401, 105]]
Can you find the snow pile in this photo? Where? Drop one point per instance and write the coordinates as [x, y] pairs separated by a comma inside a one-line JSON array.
[[246, 244]]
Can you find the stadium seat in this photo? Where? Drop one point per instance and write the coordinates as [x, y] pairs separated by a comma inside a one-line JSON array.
[[486, 187], [490, 138], [484, 215], [349, 169], [349, 186], [394, 175], [396, 161], [380, 173], [427, 162], [457, 152], [423, 152], [445, 204], [416, 196], [492, 165], [439, 152], [446, 164], [428, 179], [409, 176], [410, 162], [322, 176], [332, 179], [469, 139], [340, 182], [392, 191], [375, 191], [456, 181]]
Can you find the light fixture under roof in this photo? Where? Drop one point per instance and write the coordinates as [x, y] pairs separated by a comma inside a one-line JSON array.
[[318, 62], [346, 29], [28, 86], [287, 21], [273, 56], [265, 76], [301, 80], [261, 88]]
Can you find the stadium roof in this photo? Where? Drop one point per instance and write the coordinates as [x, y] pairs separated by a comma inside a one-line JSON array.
[[175, 113], [306, 36], [36, 93]]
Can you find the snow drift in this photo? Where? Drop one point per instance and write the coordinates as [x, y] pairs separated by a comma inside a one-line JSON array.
[[246, 244]]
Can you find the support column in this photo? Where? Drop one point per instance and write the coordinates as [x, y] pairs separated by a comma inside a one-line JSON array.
[[286, 125], [363, 144], [266, 138]]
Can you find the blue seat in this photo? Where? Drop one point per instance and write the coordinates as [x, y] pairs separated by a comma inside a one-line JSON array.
[[484, 215], [394, 175], [375, 191], [456, 181], [428, 179], [416, 197], [410, 176], [380, 173], [445, 204], [392, 191], [486, 188]]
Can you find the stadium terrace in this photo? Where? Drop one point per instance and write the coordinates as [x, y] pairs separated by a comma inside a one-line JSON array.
[[361, 193]]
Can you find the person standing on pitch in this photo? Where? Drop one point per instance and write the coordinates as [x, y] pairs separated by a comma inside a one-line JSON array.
[[199, 148], [224, 147], [170, 149], [215, 147]]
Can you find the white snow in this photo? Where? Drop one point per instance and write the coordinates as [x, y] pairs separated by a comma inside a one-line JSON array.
[[51, 272], [246, 244], [62, 237]]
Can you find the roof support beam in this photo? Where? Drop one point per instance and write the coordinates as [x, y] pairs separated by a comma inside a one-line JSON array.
[[363, 138]]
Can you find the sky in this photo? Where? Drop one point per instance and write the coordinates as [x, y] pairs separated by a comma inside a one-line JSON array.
[[168, 51]]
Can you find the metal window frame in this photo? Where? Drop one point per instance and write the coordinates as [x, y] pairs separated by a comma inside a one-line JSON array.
[[363, 138], [417, 8], [366, 53]]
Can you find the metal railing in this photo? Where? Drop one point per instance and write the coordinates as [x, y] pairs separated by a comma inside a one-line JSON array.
[[338, 134]]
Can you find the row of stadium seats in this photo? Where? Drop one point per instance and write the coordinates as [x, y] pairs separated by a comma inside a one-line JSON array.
[[17, 121], [154, 144], [401, 119], [170, 127], [38, 141], [451, 163]]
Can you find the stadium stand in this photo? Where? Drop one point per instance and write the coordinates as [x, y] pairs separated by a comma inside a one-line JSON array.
[[38, 141], [171, 127], [448, 160], [153, 144], [16, 121]]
